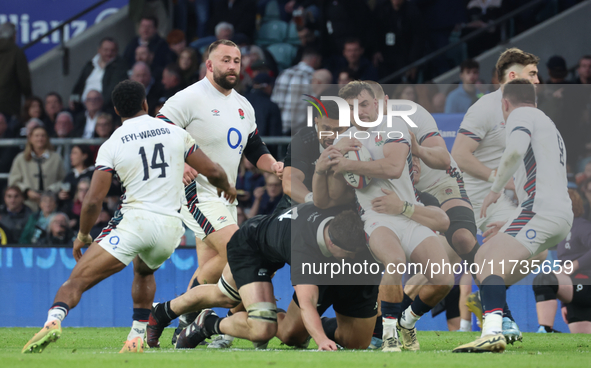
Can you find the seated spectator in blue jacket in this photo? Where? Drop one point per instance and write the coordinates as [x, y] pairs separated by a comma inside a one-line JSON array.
[[36, 226], [461, 98], [266, 198], [14, 214], [353, 59]]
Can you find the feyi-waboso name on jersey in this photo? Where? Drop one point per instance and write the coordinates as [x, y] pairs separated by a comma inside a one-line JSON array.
[[145, 134]]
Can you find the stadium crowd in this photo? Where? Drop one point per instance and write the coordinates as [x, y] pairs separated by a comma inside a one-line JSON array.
[[283, 44]]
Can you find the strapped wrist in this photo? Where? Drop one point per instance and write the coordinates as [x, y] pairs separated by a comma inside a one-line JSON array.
[[408, 209]]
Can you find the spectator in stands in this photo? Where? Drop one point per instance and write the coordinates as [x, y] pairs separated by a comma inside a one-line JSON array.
[[172, 81], [101, 73], [104, 126], [37, 224], [480, 14], [308, 38], [294, 81], [400, 37], [353, 59], [141, 73], [267, 112], [73, 207], [148, 36], [85, 121], [143, 54], [345, 76], [438, 103], [7, 154], [584, 70], [53, 106], [64, 125], [37, 169], [15, 78], [342, 20], [405, 92], [188, 62], [461, 98], [266, 198], [557, 70], [81, 159], [13, 213], [586, 192], [240, 13], [58, 231], [321, 81], [176, 42], [223, 31], [156, 9], [249, 178], [33, 109]]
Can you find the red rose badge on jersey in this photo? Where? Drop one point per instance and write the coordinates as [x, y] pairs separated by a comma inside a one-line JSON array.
[[241, 112]]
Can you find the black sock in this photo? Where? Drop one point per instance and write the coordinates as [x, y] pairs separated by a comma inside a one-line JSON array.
[[547, 328], [330, 326], [211, 325], [378, 330], [406, 302], [195, 283], [164, 314], [141, 314], [493, 295], [419, 307], [507, 312], [64, 306], [391, 310]]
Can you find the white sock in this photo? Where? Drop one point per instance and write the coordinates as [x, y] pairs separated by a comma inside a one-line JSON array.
[[409, 318], [465, 325], [389, 328], [137, 329], [54, 313], [493, 324]]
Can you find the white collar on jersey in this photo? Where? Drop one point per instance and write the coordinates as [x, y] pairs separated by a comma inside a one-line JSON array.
[[320, 238]]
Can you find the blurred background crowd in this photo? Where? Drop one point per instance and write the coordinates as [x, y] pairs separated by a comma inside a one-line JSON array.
[[283, 43]]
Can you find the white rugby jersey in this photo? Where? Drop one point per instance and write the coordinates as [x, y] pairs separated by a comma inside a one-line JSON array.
[[219, 124], [540, 179], [485, 124], [378, 137], [426, 128], [148, 155]]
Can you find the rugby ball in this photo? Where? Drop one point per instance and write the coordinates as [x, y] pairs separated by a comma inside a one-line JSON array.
[[354, 180]]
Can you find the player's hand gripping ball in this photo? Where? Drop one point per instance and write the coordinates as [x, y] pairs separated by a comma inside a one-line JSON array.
[[354, 180]]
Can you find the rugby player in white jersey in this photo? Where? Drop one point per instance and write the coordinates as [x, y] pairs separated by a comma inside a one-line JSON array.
[[392, 238], [222, 122], [478, 148], [148, 155], [440, 177], [536, 157]]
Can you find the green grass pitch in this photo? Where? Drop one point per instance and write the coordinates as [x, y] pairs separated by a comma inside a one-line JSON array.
[[99, 347]]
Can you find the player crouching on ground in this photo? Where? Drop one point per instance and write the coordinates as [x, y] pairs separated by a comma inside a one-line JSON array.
[[259, 248], [536, 157]]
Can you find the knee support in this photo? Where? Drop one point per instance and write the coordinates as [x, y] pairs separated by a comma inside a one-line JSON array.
[[228, 290], [545, 287], [263, 311], [460, 218]]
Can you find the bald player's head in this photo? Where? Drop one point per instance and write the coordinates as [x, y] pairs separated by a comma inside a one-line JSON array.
[[223, 64]]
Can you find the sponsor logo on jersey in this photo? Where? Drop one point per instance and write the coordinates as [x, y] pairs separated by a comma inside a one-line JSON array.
[[241, 113], [531, 234], [114, 240], [216, 112], [222, 219], [263, 272]]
